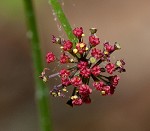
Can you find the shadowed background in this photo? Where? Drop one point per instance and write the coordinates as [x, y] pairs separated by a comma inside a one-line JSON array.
[[124, 21]]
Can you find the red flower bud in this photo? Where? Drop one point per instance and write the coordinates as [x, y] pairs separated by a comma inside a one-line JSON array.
[[85, 72], [85, 90], [110, 68], [76, 81], [93, 40], [67, 45], [96, 53], [109, 47], [78, 32], [96, 70], [50, 57], [64, 73], [64, 58], [114, 80], [77, 101]]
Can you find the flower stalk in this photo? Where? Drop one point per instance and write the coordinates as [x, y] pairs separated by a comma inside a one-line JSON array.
[[63, 20], [41, 90]]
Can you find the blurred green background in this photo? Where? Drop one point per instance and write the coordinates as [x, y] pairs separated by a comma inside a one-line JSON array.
[[124, 21]]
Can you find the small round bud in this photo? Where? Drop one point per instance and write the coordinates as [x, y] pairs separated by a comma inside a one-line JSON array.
[[117, 46], [118, 63], [58, 40], [103, 92], [92, 60], [93, 30], [75, 51]]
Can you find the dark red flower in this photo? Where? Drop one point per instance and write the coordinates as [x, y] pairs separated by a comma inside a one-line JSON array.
[[105, 90], [76, 81], [64, 73], [98, 85], [64, 58], [114, 80], [110, 68], [67, 45], [84, 90], [94, 40], [50, 57], [78, 32], [77, 101], [109, 48], [96, 53], [85, 72], [81, 47], [96, 70], [65, 81], [86, 99], [82, 64]]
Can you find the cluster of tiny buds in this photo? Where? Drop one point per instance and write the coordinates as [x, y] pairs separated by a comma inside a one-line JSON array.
[[87, 64]]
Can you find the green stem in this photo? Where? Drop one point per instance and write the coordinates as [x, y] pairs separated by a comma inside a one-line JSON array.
[[64, 22], [41, 90]]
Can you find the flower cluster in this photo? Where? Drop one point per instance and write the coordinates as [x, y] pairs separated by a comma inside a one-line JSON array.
[[87, 64]]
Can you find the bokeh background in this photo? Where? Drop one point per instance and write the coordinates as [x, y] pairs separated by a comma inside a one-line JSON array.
[[127, 22]]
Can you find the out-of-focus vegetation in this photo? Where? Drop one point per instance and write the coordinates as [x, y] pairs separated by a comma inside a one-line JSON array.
[[11, 8]]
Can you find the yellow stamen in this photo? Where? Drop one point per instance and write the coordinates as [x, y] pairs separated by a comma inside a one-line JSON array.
[[54, 94], [71, 60], [64, 89], [86, 48], [82, 45], [61, 47], [103, 92], [58, 93], [106, 52], [75, 51], [74, 97], [83, 35]]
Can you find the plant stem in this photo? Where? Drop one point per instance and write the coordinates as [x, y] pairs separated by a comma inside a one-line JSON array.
[[41, 90], [62, 18]]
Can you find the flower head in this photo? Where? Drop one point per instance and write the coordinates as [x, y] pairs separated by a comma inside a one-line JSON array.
[[87, 63]]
